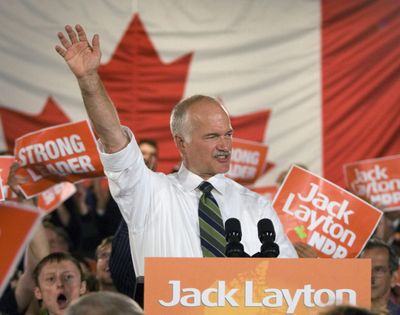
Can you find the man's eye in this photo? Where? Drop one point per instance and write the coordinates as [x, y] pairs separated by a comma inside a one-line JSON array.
[[50, 279]]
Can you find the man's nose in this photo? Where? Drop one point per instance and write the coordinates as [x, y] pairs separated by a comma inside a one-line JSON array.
[[224, 143], [59, 282]]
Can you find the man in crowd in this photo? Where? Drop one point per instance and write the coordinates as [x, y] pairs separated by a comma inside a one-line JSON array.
[[58, 281], [384, 265], [58, 238], [182, 214], [103, 275]]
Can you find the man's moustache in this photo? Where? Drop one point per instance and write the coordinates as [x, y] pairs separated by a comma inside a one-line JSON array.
[[222, 153]]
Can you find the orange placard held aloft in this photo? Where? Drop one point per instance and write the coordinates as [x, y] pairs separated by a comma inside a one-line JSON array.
[[247, 161], [232, 286], [53, 197], [5, 164], [331, 220], [61, 153], [377, 180], [17, 223]]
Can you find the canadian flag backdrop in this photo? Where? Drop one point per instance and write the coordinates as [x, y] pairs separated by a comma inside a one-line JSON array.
[[317, 81]]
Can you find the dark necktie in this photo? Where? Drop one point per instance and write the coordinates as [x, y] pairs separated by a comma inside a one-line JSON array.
[[212, 232]]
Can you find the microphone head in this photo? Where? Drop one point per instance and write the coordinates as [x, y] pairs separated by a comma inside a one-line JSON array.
[[233, 231], [266, 231]]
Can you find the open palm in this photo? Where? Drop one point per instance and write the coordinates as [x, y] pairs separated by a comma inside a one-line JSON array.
[[82, 58]]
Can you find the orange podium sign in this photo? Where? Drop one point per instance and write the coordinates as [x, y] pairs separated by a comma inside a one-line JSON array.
[[235, 286]]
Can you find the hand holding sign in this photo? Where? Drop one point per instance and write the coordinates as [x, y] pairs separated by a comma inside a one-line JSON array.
[[6, 162]]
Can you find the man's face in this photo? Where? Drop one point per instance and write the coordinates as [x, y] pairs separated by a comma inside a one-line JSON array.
[[59, 284], [381, 278], [102, 266], [149, 155], [210, 131], [57, 242]]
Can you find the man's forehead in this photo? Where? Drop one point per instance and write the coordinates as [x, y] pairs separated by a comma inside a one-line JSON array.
[[377, 253], [147, 147], [59, 266]]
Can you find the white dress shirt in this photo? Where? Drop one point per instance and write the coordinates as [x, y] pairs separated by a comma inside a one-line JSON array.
[[162, 210]]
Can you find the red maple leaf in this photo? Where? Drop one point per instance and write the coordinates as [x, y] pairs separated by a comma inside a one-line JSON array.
[[16, 123], [251, 126], [144, 90]]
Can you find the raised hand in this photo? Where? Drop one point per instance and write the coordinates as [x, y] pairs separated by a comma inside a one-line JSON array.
[[82, 58]]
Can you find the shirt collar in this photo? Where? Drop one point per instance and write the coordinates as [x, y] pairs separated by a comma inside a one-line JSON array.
[[191, 181]]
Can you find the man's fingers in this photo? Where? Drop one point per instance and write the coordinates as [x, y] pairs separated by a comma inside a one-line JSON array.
[[96, 43], [61, 51], [81, 33], [71, 34], [65, 42]]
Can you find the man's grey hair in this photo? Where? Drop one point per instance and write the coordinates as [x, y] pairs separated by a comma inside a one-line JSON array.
[[178, 119], [104, 303]]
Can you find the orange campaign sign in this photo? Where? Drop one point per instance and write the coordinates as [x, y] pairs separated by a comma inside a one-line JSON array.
[[53, 197], [234, 286], [247, 161], [266, 191], [17, 223], [330, 219], [5, 164], [66, 152], [377, 180]]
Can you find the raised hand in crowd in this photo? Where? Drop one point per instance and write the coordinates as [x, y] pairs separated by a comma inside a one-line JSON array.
[[38, 248], [304, 250]]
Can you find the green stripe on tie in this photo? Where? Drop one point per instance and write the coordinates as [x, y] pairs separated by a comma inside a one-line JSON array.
[[212, 233]]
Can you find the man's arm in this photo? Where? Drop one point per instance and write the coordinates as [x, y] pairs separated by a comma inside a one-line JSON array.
[[84, 59], [38, 248]]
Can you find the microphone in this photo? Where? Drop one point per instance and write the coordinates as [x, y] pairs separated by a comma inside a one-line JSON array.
[[266, 235], [233, 236]]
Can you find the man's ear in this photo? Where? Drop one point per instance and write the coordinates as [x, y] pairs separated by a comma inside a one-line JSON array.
[[38, 293], [82, 289], [180, 143]]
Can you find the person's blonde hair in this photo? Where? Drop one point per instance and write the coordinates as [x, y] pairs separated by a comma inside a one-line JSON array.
[[104, 303]]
